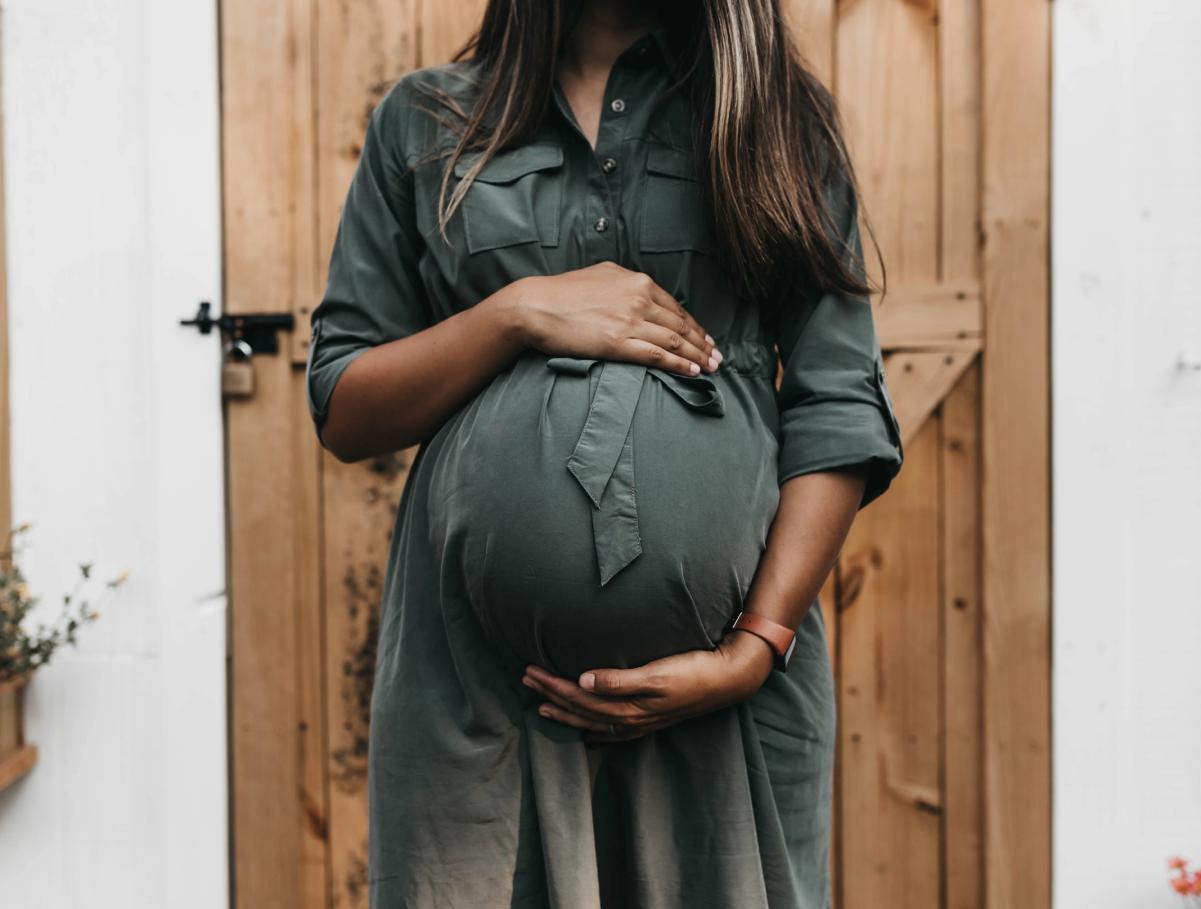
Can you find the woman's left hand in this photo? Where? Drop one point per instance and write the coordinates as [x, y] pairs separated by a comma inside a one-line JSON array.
[[615, 705]]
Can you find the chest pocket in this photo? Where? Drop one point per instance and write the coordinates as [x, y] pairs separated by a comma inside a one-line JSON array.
[[674, 214], [515, 198]]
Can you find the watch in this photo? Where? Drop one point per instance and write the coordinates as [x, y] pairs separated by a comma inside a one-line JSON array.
[[781, 639]]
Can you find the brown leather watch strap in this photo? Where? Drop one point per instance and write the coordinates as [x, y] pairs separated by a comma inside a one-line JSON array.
[[780, 638]]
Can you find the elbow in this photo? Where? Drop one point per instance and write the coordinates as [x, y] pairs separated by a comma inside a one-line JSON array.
[[350, 446], [333, 442]]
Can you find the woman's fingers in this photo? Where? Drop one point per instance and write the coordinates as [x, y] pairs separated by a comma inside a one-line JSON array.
[[642, 681], [574, 707], [675, 309], [677, 323], [637, 350], [570, 696], [599, 732], [676, 343]]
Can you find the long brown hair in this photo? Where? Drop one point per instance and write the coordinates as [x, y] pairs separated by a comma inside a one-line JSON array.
[[767, 130]]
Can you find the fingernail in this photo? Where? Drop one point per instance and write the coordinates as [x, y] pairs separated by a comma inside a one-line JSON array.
[[709, 338], [718, 355], [527, 681], [544, 711], [588, 681], [694, 368], [713, 361]]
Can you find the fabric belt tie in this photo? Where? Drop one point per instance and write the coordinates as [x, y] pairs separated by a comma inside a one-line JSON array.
[[603, 459]]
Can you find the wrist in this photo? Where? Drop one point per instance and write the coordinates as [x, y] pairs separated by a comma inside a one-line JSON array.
[[512, 307], [750, 658]]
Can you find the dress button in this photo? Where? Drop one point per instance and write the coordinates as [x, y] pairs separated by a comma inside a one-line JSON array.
[[601, 225], [609, 165], [618, 105]]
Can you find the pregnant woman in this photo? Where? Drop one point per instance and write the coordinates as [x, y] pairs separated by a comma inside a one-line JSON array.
[[570, 266]]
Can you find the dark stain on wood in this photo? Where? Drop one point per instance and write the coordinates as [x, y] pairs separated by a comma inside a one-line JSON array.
[[363, 588], [852, 586]]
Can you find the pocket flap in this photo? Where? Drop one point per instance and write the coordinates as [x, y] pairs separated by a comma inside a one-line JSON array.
[[674, 162], [507, 166]]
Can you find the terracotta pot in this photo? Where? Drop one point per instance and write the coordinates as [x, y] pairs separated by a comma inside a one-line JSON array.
[[17, 757]]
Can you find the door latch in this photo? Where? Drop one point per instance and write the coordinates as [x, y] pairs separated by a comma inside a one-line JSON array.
[[258, 331], [247, 334]]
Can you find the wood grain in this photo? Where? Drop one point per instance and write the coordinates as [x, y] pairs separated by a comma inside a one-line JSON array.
[[812, 23], [887, 79], [445, 26], [362, 49], [941, 316], [1016, 452], [889, 692], [962, 753], [276, 725], [919, 381]]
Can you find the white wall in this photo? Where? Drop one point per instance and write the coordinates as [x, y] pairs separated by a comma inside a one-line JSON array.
[[111, 149], [1127, 449]]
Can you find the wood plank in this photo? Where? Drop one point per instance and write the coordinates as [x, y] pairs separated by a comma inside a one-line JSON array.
[[918, 382], [14, 766], [940, 315], [828, 597], [963, 842], [959, 121], [276, 732], [360, 511], [10, 717], [1016, 453], [887, 65], [17, 757], [444, 27], [812, 24], [889, 692], [362, 49]]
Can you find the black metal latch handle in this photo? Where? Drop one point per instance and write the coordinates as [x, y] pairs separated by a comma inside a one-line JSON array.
[[258, 330]]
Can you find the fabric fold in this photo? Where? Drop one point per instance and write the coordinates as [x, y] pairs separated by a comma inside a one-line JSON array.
[[603, 458]]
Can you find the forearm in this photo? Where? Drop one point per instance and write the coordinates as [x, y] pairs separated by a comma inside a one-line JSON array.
[[812, 522], [398, 394]]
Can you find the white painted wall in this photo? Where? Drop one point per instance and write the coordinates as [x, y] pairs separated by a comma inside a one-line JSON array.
[[112, 156], [1127, 449]]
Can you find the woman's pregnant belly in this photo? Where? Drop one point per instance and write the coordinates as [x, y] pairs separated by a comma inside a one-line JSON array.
[[600, 514]]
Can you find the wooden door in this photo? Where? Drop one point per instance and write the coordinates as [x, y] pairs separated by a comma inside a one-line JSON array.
[[942, 591], [941, 600]]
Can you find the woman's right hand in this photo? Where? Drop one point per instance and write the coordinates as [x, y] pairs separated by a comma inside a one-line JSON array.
[[609, 312]]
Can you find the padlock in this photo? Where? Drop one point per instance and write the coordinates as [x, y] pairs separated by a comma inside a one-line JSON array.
[[237, 370]]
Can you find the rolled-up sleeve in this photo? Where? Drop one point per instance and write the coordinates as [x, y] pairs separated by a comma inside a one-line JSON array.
[[835, 410], [374, 292]]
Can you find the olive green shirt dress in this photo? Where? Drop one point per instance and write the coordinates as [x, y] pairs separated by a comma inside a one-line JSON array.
[[583, 514]]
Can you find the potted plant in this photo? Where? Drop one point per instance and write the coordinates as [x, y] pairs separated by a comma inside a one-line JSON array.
[[24, 651]]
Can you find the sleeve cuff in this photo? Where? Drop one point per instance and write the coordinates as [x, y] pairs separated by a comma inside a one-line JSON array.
[[320, 380], [830, 435]]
